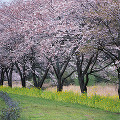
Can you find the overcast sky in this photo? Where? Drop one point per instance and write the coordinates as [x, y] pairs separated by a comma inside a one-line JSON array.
[[5, 0]]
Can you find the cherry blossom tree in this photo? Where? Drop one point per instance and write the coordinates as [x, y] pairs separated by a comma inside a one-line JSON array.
[[51, 19], [49, 32], [104, 18]]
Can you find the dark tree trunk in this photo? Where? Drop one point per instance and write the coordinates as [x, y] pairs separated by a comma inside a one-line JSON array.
[[60, 69], [119, 82], [34, 76], [83, 88], [24, 77], [82, 73], [23, 82], [40, 83], [9, 75], [6, 70], [59, 86], [8, 78], [86, 83], [32, 60], [82, 84], [119, 72], [20, 73], [34, 79], [2, 76]]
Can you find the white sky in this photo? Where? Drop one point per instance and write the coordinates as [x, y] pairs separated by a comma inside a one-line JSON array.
[[6, 0]]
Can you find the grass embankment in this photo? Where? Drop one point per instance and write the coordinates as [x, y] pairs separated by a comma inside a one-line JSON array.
[[12, 111], [108, 103], [36, 108], [2, 104]]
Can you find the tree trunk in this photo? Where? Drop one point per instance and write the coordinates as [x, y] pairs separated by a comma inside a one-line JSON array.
[[33, 67], [82, 85], [24, 77], [119, 73], [34, 76], [9, 76], [86, 83], [2, 77], [23, 82], [34, 80], [59, 86], [43, 78], [20, 73], [119, 82]]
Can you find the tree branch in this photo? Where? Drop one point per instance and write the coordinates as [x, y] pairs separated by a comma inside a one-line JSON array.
[[88, 65], [101, 68]]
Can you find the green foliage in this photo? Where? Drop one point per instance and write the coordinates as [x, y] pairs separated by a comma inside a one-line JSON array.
[[47, 80], [76, 82], [95, 79], [69, 80], [99, 79], [92, 80]]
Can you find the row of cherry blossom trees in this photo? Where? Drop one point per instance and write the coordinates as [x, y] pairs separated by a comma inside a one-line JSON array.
[[49, 36]]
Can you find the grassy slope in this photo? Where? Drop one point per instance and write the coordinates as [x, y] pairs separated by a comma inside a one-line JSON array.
[[2, 104], [42, 109]]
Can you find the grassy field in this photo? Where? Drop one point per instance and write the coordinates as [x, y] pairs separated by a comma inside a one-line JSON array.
[[34, 108], [51, 105], [108, 103], [2, 104]]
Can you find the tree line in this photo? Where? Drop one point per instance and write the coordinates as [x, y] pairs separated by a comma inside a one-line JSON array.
[[47, 37]]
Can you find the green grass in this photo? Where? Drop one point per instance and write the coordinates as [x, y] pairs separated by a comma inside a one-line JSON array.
[[35, 108], [45, 105], [2, 105], [107, 103]]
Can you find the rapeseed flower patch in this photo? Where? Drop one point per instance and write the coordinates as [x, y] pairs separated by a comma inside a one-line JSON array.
[[108, 103]]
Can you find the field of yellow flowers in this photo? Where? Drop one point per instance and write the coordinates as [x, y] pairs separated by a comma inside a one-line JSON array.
[[108, 103]]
